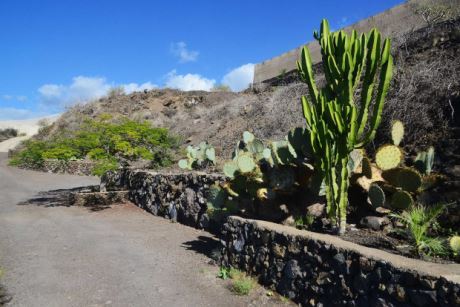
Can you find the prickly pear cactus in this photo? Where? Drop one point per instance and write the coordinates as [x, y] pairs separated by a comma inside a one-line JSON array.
[[401, 200], [376, 196], [454, 244], [356, 157], [424, 161], [406, 178], [366, 167], [245, 163], [388, 157], [397, 132], [198, 157]]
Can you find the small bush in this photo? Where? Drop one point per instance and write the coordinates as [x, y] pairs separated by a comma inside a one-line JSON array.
[[8, 133], [243, 285], [418, 221], [103, 166], [110, 141]]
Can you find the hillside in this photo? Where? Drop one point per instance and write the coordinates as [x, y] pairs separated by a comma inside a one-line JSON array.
[[424, 95]]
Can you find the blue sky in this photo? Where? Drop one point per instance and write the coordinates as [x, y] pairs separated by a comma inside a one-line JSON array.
[[55, 53]]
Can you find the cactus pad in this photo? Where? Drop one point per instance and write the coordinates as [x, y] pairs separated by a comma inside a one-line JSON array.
[[406, 178], [366, 167], [376, 196], [282, 178], [397, 132], [230, 168], [211, 154], [401, 200], [248, 137], [454, 244], [255, 147], [216, 197], [299, 140], [356, 157], [245, 163], [183, 164], [388, 157], [283, 153]]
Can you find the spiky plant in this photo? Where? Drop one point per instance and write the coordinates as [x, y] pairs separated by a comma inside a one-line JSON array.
[[418, 221], [337, 124]]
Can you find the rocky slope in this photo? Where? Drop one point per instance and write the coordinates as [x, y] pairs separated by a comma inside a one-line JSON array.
[[425, 95]]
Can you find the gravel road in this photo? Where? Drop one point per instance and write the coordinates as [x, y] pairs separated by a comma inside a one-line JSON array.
[[121, 256]]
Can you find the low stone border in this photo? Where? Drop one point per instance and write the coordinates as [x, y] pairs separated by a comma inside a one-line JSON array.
[[180, 197], [323, 270], [97, 199]]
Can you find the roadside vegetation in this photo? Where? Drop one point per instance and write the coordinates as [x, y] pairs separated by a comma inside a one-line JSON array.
[[241, 283], [109, 142], [8, 133]]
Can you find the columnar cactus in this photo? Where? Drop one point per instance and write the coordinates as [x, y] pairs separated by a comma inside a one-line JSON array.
[[337, 124]]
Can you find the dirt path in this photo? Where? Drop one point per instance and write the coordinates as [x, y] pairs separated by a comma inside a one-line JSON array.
[[122, 256]]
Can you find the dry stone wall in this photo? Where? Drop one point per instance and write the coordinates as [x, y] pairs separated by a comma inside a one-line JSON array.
[[74, 167], [322, 270], [180, 197]]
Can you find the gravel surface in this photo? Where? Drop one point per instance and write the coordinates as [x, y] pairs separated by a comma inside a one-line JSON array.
[[122, 256]]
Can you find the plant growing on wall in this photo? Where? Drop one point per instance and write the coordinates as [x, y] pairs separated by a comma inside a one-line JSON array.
[[337, 123]]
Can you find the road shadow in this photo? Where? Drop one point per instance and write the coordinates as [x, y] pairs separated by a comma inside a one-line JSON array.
[[207, 246], [63, 198]]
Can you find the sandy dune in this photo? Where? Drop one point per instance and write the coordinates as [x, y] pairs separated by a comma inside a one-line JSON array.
[[27, 126]]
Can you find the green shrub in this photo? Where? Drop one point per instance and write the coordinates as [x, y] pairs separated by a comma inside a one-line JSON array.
[[104, 166], [31, 156], [243, 285], [8, 133], [418, 221], [61, 152], [107, 140]]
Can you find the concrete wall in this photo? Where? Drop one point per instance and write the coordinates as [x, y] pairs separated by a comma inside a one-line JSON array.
[[397, 20]]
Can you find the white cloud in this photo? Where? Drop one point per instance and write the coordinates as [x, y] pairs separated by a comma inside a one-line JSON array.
[[239, 78], [189, 82], [180, 50], [12, 97], [134, 87], [21, 98], [16, 113], [83, 89]]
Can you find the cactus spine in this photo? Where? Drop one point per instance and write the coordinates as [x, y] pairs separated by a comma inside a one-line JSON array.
[[336, 123]]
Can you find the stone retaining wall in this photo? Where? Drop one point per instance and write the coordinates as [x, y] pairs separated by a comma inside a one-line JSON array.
[[180, 197], [74, 167], [322, 270]]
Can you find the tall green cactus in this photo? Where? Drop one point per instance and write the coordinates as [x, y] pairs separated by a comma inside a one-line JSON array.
[[336, 122]]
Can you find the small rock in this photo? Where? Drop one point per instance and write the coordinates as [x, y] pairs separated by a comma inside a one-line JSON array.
[[316, 210], [382, 210], [423, 298], [374, 222], [279, 251]]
